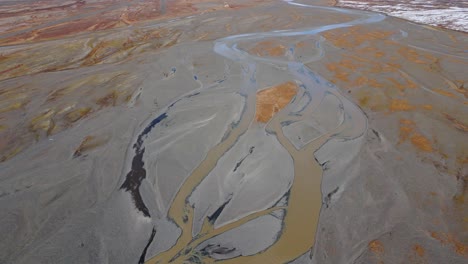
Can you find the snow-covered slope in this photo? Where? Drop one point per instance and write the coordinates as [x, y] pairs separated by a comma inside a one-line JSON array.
[[451, 14]]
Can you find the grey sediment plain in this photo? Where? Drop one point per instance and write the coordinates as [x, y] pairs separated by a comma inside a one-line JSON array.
[[229, 200], [203, 181]]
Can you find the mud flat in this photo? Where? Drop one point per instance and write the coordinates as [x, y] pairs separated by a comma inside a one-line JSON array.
[[232, 132]]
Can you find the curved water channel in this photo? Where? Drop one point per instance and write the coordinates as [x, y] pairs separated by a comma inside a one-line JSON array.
[[316, 96]]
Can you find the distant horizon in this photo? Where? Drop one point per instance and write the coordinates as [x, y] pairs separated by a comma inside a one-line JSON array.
[[442, 13]]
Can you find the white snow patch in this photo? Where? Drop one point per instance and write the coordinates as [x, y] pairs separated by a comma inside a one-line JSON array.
[[445, 13]]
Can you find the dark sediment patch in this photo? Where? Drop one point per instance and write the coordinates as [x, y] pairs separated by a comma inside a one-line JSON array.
[[143, 254], [137, 173]]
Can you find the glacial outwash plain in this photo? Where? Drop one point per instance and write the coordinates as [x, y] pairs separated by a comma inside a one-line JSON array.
[[247, 131]]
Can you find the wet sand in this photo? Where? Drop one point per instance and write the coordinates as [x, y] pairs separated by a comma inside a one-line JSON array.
[[232, 132]]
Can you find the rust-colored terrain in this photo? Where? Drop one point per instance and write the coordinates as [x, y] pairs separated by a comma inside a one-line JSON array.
[[29, 21]]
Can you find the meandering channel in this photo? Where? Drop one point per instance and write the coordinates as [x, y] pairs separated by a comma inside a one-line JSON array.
[[304, 197]]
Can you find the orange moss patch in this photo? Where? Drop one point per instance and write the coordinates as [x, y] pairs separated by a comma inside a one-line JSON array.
[[421, 142], [301, 44], [268, 48], [444, 93], [77, 114], [375, 83], [408, 131], [400, 105], [355, 36], [457, 124], [448, 239], [11, 107], [43, 122], [109, 99], [332, 67], [462, 90], [89, 143], [416, 57], [11, 69], [396, 84], [10, 154], [345, 68], [402, 85], [376, 246], [428, 107], [360, 81], [405, 131], [459, 198], [406, 122], [363, 101], [462, 160], [349, 64], [418, 249], [273, 99], [340, 73]]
